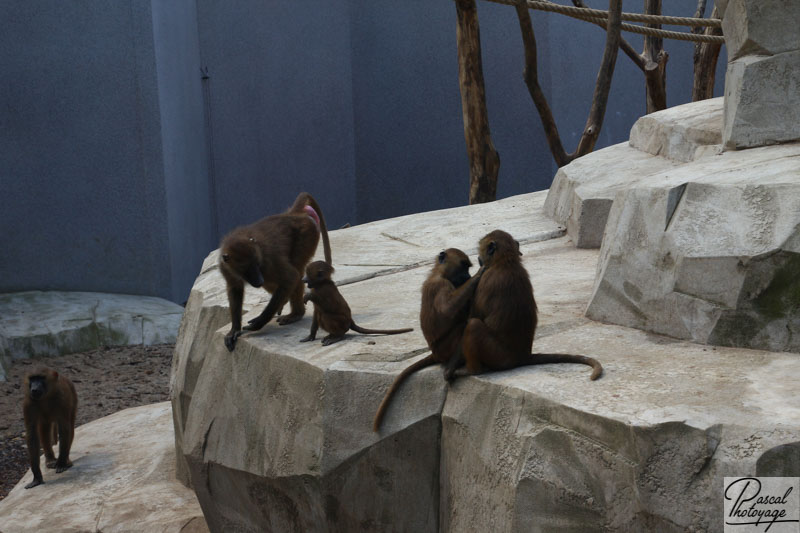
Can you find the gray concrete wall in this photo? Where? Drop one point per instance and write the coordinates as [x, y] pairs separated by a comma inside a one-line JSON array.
[[121, 165], [191, 214], [81, 178], [281, 106]]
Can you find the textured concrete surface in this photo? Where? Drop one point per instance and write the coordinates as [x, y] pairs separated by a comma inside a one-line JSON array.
[[681, 133], [644, 448], [709, 252], [762, 82], [762, 100], [122, 480], [277, 435], [760, 27], [43, 323], [701, 247], [583, 191]]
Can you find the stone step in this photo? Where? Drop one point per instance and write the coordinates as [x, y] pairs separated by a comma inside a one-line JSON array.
[[682, 133], [582, 192]]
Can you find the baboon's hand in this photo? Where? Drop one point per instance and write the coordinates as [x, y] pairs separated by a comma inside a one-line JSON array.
[[254, 325]]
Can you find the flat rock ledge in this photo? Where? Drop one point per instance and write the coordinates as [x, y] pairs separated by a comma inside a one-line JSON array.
[[122, 480], [48, 323], [276, 436]]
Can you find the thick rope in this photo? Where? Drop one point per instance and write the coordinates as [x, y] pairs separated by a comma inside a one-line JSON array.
[[599, 16], [546, 5]]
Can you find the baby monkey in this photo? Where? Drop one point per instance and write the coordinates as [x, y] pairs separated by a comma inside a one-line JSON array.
[[331, 311]]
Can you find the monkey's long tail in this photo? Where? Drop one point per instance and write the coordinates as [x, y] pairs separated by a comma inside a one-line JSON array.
[[358, 329], [326, 245], [548, 358], [419, 365]]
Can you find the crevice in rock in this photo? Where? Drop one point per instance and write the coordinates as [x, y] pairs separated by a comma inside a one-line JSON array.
[[392, 237], [674, 198]]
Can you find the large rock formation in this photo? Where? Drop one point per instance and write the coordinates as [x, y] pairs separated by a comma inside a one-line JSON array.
[[122, 480], [276, 436], [700, 244]]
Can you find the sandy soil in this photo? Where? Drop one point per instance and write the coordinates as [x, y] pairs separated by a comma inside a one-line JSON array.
[[107, 380]]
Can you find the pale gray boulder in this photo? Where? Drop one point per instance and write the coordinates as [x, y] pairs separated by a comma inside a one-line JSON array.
[[762, 100], [712, 254], [760, 27], [582, 192], [762, 83], [682, 133], [122, 480], [47, 323], [277, 435]]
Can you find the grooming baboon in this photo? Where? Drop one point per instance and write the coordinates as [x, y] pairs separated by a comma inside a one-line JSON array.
[[49, 408], [331, 311], [272, 253], [444, 309], [503, 316]]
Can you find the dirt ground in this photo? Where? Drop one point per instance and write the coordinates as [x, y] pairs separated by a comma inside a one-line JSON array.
[[107, 380]]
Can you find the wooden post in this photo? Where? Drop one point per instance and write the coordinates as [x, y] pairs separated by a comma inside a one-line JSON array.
[[655, 73], [601, 89], [484, 161], [705, 64]]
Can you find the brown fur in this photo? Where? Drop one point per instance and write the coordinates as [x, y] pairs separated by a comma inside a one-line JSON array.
[[503, 317], [49, 408], [446, 295], [331, 311], [271, 253]]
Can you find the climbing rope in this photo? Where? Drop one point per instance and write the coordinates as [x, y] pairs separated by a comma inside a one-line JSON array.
[[600, 16]]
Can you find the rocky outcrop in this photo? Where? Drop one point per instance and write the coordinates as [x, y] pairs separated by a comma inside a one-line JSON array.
[[762, 83], [762, 100], [699, 244], [122, 480], [708, 252], [47, 323], [583, 191], [276, 436]]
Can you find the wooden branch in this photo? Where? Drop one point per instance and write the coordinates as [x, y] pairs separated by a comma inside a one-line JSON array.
[[602, 86], [483, 158], [531, 76], [655, 74], [700, 12], [624, 45], [705, 64]]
